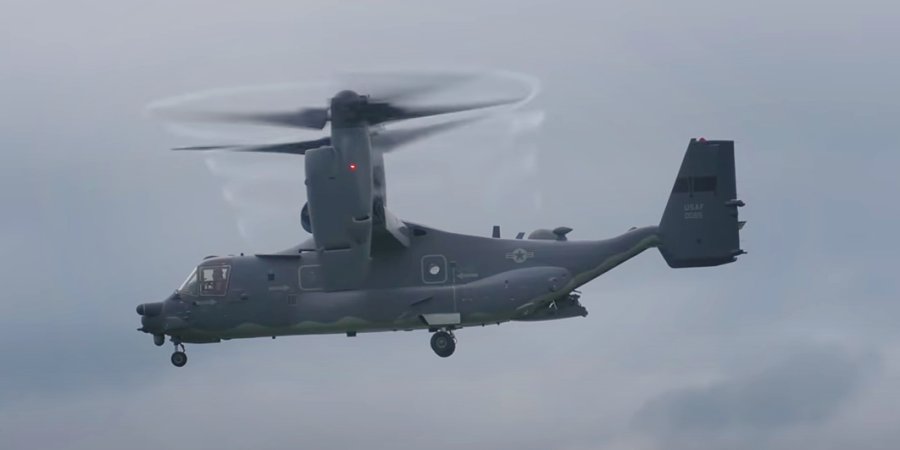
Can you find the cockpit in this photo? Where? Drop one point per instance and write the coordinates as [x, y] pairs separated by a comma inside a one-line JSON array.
[[209, 280]]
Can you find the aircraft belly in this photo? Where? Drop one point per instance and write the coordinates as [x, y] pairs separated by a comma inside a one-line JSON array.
[[328, 312]]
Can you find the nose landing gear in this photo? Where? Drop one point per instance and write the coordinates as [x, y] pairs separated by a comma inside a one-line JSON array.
[[443, 343], [179, 358]]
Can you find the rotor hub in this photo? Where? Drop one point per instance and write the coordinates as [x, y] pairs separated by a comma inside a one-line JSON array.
[[348, 109]]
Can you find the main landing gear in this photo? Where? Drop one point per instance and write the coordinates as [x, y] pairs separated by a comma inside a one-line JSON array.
[[179, 358], [443, 343]]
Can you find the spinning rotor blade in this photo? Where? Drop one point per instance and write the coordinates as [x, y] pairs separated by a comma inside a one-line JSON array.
[[289, 148], [398, 86], [392, 139], [387, 113], [313, 118], [372, 108], [375, 113], [384, 140]]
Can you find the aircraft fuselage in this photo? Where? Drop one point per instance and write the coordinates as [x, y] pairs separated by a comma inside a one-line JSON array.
[[438, 282]]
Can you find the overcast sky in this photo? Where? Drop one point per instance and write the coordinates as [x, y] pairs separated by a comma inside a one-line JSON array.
[[796, 345]]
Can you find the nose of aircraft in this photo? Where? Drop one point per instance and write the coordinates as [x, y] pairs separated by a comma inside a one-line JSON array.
[[151, 317], [150, 309]]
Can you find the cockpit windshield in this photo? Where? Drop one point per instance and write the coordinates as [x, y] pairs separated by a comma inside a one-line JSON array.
[[190, 284], [212, 280]]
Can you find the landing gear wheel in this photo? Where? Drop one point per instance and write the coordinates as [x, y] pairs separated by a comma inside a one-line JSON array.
[[179, 359], [443, 343]]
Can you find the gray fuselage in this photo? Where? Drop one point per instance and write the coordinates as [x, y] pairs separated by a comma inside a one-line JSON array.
[[442, 280], [365, 270]]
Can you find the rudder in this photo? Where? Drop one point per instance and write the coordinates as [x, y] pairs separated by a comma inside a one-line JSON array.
[[700, 224]]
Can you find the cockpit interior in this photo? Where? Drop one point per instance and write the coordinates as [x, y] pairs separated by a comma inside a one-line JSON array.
[[208, 280]]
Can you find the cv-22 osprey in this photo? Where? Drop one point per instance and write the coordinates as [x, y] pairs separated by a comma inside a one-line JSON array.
[[365, 270]]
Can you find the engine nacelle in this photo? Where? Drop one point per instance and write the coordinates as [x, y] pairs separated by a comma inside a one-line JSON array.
[[339, 197]]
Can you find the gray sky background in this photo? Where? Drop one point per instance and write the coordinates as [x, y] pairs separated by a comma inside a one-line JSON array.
[[794, 346]]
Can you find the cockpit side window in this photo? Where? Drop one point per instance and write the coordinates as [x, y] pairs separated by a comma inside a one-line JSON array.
[[189, 287], [214, 280]]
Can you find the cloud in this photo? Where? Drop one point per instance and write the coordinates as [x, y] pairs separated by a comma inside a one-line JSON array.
[[805, 387], [98, 216]]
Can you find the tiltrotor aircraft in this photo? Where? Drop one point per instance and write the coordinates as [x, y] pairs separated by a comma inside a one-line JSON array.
[[365, 270]]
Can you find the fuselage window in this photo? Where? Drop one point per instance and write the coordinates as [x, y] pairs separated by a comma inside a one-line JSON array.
[[434, 269], [214, 280]]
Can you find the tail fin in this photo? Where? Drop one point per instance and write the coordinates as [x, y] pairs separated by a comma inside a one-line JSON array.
[[700, 225]]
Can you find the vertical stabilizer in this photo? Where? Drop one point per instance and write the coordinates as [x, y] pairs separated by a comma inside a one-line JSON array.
[[700, 225]]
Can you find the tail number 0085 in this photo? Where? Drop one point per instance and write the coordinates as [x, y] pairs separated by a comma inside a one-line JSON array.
[[693, 211]]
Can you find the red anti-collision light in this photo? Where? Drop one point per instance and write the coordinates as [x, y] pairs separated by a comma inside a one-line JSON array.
[[352, 167]]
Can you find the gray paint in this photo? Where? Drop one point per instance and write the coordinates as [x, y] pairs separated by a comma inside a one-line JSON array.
[[805, 89], [350, 279]]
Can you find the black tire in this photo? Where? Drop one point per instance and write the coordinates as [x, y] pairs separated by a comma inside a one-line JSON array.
[[179, 359], [443, 343]]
